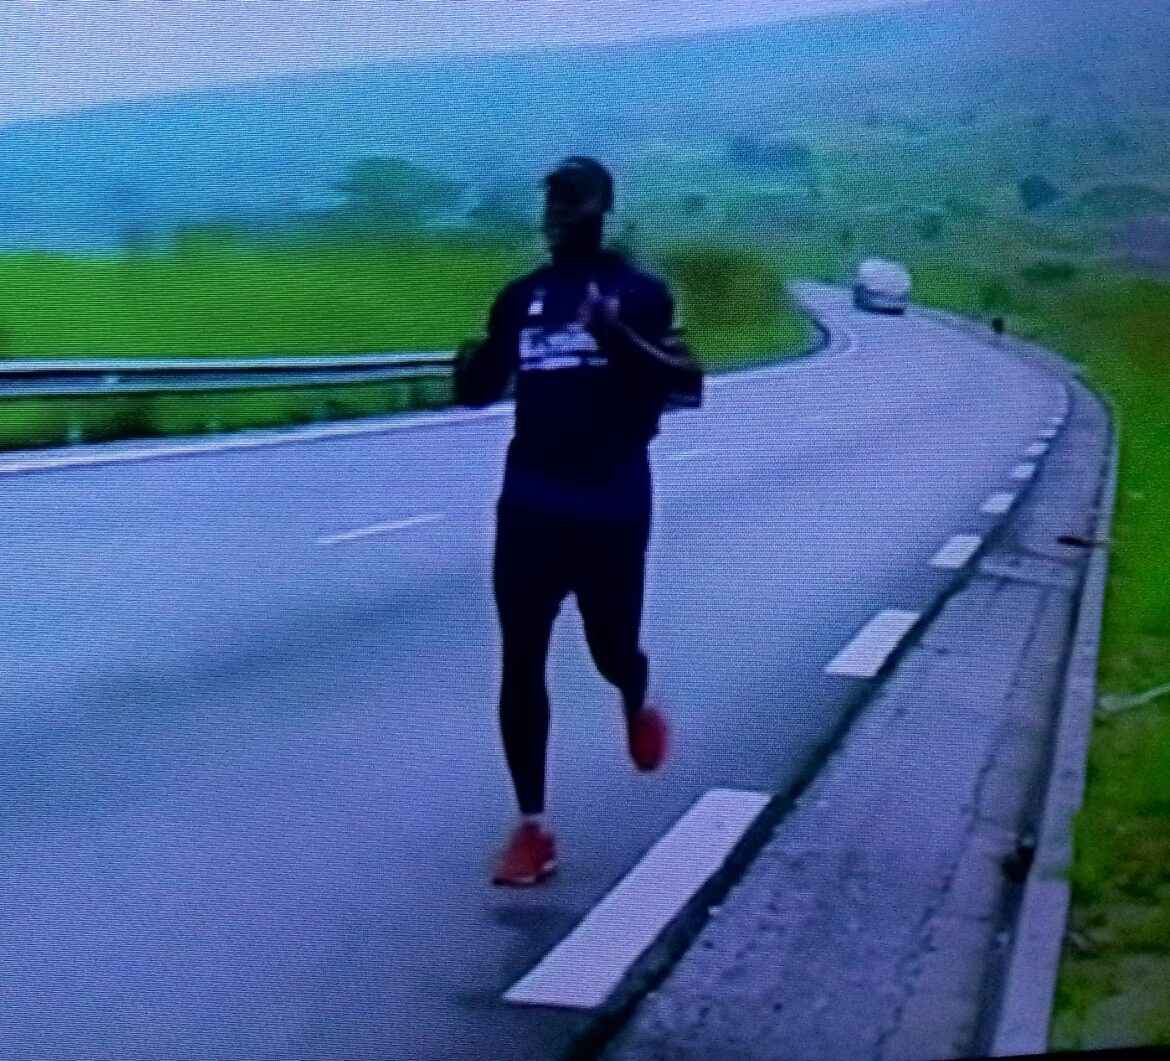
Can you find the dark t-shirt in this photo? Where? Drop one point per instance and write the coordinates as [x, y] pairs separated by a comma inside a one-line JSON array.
[[584, 415]]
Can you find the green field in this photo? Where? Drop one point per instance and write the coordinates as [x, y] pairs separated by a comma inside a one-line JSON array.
[[231, 297], [1114, 980]]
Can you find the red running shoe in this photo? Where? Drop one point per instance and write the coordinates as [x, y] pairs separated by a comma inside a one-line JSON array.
[[649, 738], [529, 858]]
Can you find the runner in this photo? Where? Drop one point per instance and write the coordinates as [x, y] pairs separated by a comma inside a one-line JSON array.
[[596, 361]]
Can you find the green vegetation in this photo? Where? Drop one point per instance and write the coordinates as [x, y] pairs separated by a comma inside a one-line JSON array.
[[1117, 963], [733, 304], [218, 295], [31, 422]]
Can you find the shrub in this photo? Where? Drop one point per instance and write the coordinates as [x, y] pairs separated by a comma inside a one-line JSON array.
[[994, 296], [965, 209], [719, 285], [928, 225], [1037, 191], [1047, 273]]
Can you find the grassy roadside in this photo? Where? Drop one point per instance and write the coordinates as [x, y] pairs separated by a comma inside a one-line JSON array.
[[1113, 987], [37, 422], [220, 298]]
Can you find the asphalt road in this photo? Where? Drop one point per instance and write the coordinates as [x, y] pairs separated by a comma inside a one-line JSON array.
[[251, 785]]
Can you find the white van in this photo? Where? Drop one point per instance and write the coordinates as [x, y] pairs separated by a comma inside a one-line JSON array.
[[881, 286]]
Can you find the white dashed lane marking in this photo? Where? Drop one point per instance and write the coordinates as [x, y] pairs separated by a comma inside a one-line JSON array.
[[871, 647], [378, 528], [957, 551], [582, 971], [1036, 449], [998, 504], [1023, 471]]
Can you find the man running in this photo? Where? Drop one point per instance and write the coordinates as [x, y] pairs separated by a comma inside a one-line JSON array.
[[596, 361]]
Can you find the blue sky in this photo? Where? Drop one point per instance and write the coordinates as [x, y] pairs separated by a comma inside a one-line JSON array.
[[58, 55]]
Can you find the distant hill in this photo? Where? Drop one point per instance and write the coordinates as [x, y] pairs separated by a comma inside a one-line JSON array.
[[275, 147]]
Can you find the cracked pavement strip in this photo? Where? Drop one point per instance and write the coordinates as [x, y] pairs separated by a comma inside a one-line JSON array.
[[874, 923]]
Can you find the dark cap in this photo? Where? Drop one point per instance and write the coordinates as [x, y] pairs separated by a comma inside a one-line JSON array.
[[582, 183]]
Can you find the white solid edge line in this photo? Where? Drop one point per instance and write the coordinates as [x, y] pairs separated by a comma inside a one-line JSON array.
[[998, 504], [957, 552], [379, 528], [872, 644], [1024, 471], [582, 971], [1036, 449]]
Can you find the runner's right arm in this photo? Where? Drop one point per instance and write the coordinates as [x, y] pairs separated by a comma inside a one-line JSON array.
[[484, 367]]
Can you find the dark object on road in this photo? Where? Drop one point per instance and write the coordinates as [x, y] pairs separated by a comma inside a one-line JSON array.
[[1080, 542], [1018, 862], [997, 326], [591, 344]]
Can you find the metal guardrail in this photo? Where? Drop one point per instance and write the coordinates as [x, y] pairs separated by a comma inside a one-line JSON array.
[[97, 378]]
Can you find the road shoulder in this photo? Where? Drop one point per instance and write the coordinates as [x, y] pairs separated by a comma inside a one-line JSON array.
[[876, 920]]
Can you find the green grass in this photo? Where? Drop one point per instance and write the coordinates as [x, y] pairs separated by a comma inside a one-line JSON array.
[[34, 422], [223, 297]]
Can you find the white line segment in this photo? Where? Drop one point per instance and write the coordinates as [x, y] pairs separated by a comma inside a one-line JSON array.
[[378, 528], [1036, 449], [998, 504], [1023, 471], [1048, 434], [691, 454], [871, 647], [583, 970], [957, 552]]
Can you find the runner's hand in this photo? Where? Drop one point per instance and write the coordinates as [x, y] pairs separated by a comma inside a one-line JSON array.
[[599, 313]]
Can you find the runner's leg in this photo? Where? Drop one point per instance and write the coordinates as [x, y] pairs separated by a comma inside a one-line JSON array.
[[530, 583], [610, 589]]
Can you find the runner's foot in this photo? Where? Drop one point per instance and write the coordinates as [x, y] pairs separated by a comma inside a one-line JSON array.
[[529, 858], [649, 738]]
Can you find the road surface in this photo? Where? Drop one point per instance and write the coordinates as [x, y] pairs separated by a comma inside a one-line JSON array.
[[252, 782]]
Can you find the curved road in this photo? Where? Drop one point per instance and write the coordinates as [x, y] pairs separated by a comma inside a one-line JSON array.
[[251, 780]]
